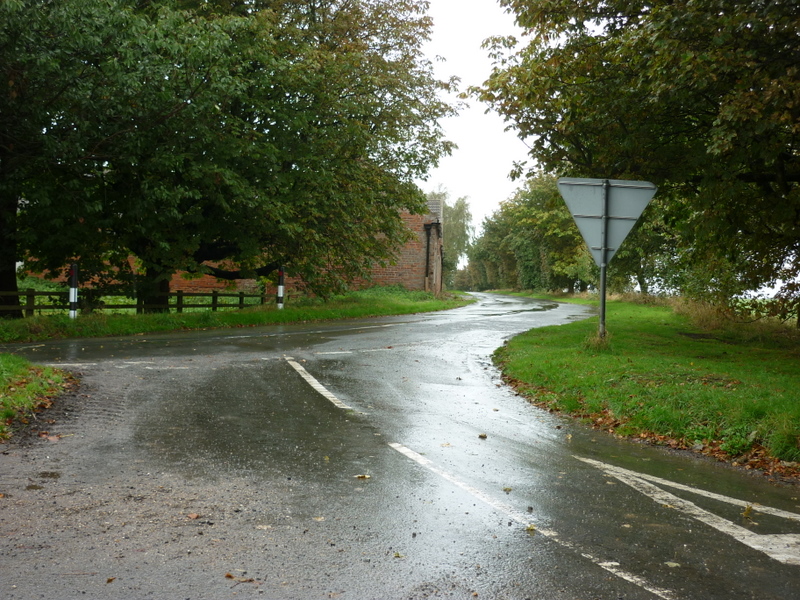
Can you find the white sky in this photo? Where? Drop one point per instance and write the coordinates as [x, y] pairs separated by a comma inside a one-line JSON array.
[[479, 168]]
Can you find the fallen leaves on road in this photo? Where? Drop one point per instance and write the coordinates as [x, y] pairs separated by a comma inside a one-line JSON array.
[[362, 476], [240, 580]]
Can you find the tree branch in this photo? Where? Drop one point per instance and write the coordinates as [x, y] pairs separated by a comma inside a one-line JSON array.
[[248, 274]]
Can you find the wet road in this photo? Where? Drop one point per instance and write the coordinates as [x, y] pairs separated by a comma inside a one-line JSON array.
[[366, 459]]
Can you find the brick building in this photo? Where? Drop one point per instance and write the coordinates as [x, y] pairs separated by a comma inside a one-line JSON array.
[[418, 264]]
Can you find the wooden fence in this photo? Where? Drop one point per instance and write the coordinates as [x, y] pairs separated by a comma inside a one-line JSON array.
[[32, 301]]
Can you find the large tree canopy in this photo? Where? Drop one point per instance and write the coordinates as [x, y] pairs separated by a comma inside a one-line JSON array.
[[702, 97], [254, 133]]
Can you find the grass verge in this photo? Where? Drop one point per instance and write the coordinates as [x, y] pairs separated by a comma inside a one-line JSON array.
[[372, 302], [728, 391], [26, 388]]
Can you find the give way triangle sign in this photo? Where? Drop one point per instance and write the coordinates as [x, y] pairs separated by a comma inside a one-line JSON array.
[[605, 211]]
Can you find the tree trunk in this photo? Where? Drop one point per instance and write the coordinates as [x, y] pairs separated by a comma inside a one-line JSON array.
[[8, 258], [642, 281], [152, 291]]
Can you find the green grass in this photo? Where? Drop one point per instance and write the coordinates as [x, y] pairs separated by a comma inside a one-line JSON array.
[[730, 390], [26, 388]]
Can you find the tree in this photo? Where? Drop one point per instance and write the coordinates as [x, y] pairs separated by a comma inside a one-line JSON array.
[[533, 243], [492, 265], [48, 122], [251, 134], [700, 97]]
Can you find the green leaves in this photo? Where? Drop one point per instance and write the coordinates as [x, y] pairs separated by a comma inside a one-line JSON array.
[[287, 133], [700, 97], [532, 243]]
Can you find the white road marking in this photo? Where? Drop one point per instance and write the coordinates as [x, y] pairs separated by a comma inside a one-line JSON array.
[[316, 384], [523, 519], [86, 364], [784, 548]]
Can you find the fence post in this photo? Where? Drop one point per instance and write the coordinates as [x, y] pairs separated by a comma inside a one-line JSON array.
[[214, 300], [30, 302], [179, 302], [241, 300]]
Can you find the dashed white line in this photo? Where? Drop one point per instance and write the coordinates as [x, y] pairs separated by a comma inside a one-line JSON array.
[[501, 507], [316, 384]]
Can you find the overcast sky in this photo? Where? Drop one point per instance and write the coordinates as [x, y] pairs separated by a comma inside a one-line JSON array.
[[479, 168]]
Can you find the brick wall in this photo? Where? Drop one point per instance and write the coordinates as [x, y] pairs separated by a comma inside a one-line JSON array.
[[412, 261], [208, 283]]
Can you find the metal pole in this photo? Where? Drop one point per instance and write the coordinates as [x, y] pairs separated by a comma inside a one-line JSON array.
[[280, 288], [603, 262], [73, 291]]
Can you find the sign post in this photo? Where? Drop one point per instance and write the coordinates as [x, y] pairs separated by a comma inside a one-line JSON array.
[[605, 211]]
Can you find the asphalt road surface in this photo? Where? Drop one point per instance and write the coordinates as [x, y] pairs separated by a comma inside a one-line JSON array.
[[370, 459]]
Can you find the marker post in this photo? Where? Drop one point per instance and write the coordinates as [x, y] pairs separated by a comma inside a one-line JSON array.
[[73, 291], [280, 288]]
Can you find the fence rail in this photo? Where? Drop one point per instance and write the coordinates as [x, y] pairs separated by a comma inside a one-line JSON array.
[[58, 300]]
